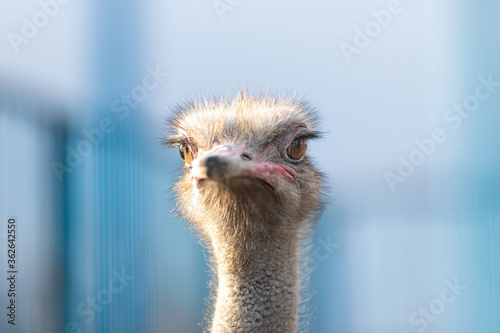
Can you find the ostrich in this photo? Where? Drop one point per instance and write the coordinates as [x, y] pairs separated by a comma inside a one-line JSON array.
[[253, 196]]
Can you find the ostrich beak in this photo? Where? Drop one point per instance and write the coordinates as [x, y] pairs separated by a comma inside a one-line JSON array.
[[225, 163]]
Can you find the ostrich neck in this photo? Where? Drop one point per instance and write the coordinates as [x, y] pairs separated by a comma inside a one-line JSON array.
[[258, 284]]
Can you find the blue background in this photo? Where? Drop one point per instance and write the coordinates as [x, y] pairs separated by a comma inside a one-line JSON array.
[[383, 253]]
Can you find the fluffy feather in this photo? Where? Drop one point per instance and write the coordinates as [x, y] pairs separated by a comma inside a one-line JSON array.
[[253, 231]]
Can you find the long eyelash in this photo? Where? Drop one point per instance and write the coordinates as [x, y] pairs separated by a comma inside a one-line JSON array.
[[309, 136], [176, 140]]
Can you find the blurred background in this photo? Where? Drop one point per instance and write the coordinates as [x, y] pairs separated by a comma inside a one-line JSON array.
[[409, 93]]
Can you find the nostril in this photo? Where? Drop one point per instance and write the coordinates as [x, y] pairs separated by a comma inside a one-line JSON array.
[[211, 161], [246, 157]]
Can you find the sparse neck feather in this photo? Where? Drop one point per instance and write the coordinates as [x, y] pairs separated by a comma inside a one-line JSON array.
[[258, 283]]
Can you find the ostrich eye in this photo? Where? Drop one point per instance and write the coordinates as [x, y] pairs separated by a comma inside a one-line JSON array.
[[297, 149], [186, 153]]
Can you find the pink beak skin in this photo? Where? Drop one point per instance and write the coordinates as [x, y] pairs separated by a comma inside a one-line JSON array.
[[228, 162]]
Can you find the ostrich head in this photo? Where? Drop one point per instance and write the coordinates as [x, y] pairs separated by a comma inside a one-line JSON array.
[[251, 191]]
